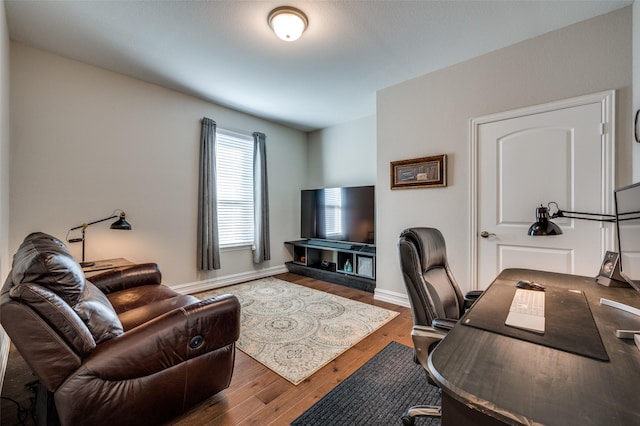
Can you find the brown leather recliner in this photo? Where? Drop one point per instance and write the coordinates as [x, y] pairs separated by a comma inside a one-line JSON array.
[[120, 348]]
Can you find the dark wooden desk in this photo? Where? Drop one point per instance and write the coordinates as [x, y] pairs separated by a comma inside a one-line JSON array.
[[488, 378], [106, 265]]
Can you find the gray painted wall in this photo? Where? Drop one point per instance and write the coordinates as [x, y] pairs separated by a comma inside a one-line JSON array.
[[424, 116], [4, 144], [636, 86], [4, 173], [343, 155], [431, 115], [86, 141]]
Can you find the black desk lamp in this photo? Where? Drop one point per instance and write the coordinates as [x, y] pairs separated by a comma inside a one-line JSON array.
[[543, 226], [121, 223]]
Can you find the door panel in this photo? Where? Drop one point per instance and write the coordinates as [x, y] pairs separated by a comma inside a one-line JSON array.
[[521, 176], [531, 160], [549, 259]]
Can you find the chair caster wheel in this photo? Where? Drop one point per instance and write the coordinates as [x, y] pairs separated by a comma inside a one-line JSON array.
[[408, 421]]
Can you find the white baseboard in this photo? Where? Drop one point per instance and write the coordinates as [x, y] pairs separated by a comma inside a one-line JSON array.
[[210, 284], [391, 297]]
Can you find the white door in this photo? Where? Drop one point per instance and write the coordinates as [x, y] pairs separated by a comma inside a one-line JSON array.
[[561, 152]]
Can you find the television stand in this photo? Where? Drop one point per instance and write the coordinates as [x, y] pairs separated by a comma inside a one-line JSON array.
[[349, 264]]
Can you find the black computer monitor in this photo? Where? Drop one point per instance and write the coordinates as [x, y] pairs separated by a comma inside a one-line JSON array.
[[627, 200]]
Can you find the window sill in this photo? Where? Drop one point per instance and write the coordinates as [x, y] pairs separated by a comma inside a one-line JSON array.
[[236, 248]]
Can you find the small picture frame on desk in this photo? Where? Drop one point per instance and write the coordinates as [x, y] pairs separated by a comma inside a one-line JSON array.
[[422, 172]]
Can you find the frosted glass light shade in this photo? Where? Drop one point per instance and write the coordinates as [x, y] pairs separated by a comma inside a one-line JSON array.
[[288, 23]]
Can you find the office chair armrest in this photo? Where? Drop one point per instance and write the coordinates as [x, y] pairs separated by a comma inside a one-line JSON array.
[[473, 294], [425, 331], [471, 297], [444, 324], [425, 338]]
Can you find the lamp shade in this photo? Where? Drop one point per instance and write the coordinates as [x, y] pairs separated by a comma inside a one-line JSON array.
[[543, 225], [288, 23], [121, 223]]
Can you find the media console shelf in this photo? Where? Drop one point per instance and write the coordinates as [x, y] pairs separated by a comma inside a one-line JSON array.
[[349, 264]]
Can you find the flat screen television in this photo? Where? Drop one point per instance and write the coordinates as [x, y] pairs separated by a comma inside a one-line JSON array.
[[340, 214], [627, 201]]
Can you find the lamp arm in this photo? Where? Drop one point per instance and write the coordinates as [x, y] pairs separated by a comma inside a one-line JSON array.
[[113, 216], [603, 218], [598, 217], [84, 225], [629, 216]]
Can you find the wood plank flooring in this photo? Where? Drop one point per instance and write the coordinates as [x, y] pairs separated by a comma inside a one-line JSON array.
[[258, 396]]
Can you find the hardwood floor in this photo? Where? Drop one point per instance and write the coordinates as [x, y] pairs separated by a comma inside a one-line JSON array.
[[258, 396]]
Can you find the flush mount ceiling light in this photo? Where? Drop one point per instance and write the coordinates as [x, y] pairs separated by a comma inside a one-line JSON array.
[[288, 22]]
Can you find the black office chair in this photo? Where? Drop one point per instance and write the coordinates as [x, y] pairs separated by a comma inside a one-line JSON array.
[[436, 300]]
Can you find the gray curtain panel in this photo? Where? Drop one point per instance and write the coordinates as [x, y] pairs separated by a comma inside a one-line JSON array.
[[262, 250], [208, 239]]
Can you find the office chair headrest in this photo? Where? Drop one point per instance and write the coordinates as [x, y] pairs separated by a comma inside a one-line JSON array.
[[430, 245]]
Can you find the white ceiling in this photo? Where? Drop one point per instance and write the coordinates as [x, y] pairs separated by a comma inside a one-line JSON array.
[[225, 52]]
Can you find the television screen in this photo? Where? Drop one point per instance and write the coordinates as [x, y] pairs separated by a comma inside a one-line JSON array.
[[341, 214], [627, 201]]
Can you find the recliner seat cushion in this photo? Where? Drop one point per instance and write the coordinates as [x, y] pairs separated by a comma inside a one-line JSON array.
[[141, 304]]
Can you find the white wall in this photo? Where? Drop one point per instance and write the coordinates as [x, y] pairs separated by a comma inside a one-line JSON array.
[[4, 174], [343, 155], [86, 141], [636, 85], [431, 115], [4, 144]]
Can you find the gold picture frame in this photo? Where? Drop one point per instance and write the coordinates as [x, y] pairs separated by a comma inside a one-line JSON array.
[[425, 172]]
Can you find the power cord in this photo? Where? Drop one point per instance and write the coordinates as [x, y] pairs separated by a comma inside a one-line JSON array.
[[23, 413]]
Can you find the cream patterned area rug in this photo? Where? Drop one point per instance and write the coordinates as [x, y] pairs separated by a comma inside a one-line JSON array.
[[296, 330]]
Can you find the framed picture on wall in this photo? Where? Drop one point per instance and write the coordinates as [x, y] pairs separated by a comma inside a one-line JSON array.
[[419, 172]]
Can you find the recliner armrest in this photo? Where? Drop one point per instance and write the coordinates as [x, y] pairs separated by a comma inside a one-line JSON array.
[[444, 324], [127, 277], [168, 340]]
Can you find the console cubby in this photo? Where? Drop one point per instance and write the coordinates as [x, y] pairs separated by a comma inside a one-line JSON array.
[[365, 266], [342, 265]]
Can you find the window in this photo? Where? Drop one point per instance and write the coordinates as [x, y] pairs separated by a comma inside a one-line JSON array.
[[234, 165]]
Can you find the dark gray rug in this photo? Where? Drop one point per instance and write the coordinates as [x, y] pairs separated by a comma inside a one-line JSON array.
[[378, 393]]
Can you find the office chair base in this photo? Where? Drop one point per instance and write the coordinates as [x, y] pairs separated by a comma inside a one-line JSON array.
[[408, 418]]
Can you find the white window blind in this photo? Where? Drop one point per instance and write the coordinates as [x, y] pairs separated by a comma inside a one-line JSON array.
[[333, 213], [234, 165]]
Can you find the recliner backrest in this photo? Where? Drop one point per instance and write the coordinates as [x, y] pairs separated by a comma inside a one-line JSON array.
[[433, 291], [49, 355], [52, 314]]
